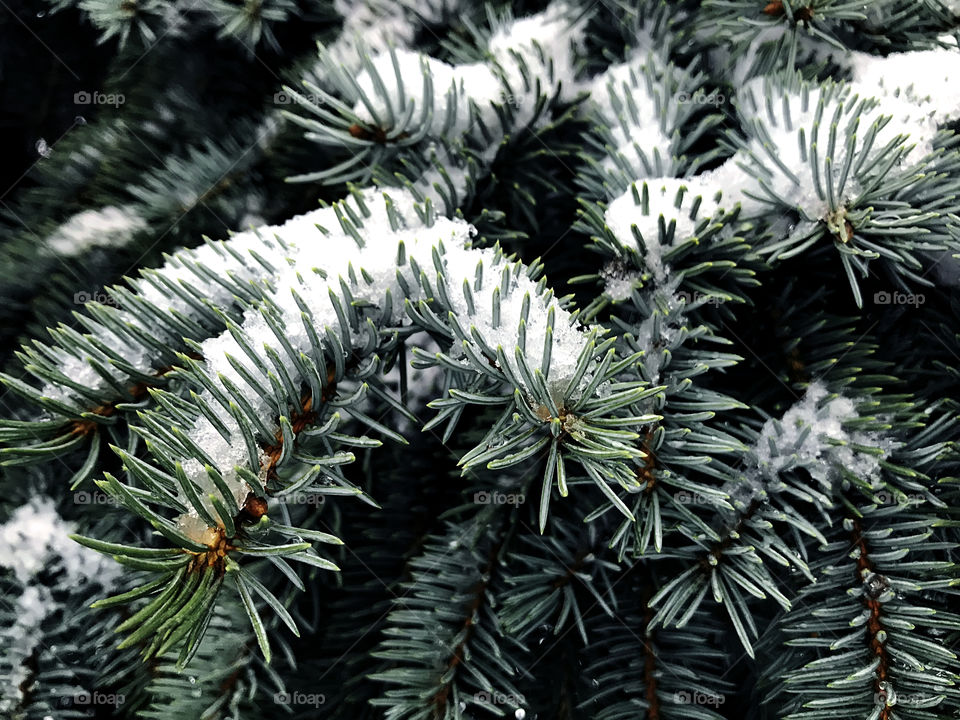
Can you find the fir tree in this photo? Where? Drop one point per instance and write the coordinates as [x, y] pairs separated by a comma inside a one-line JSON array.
[[430, 360]]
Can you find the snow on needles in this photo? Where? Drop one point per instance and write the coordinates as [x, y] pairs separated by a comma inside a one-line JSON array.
[[36, 538], [918, 88], [389, 263], [35, 535], [212, 271], [530, 56], [811, 435], [664, 212], [106, 227], [644, 103]]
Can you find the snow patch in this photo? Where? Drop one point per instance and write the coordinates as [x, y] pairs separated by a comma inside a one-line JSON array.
[[107, 227]]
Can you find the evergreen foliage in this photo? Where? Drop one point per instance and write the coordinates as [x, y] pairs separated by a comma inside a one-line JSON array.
[[445, 361]]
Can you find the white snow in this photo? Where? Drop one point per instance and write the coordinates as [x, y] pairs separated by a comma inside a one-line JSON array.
[[545, 44], [811, 434], [618, 281], [107, 227], [775, 167], [372, 25], [181, 269], [18, 642], [335, 254], [918, 88], [625, 212], [548, 44], [638, 102], [34, 538], [451, 86]]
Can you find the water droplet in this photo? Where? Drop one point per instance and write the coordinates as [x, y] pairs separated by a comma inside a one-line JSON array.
[[462, 705], [520, 714], [42, 13], [42, 148], [595, 682], [193, 680]]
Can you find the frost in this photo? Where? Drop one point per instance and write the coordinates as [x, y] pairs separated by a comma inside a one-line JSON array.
[[107, 227]]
